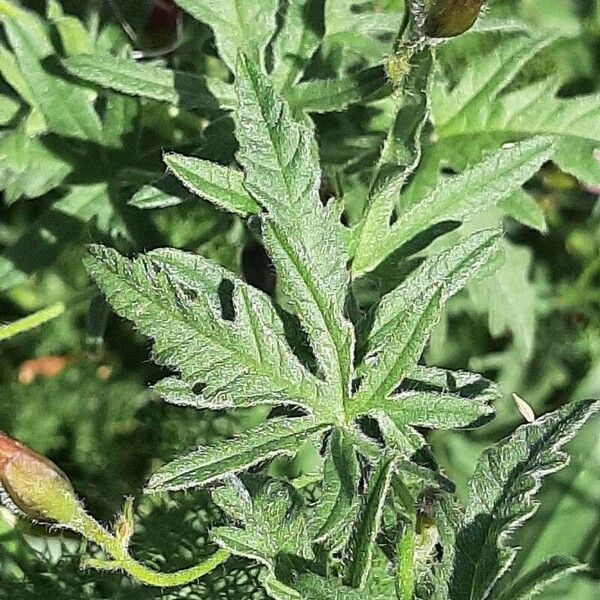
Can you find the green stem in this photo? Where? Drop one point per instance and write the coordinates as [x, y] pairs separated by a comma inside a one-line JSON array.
[[31, 321], [121, 559], [405, 567]]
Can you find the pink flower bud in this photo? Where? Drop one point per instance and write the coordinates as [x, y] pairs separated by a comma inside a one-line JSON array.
[[35, 485]]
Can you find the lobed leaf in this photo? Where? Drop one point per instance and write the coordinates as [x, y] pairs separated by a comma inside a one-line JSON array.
[[127, 76], [280, 159], [502, 496], [282, 436]]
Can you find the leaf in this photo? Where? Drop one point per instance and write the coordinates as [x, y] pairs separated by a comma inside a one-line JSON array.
[[361, 547], [532, 584], [224, 186], [233, 345], [452, 268], [398, 354], [296, 41], [67, 107], [475, 117], [276, 437], [359, 28], [280, 159], [238, 26], [509, 299], [162, 193], [523, 208], [273, 523], [313, 587], [339, 497], [127, 76], [399, 158], [56, 228], [459, 198], [326, 95], [433, 410], [499, 505]]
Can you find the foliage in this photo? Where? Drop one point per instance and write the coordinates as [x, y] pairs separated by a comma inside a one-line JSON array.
[[348, 242]]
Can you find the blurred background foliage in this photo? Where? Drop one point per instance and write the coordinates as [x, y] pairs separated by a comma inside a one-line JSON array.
[[76, 389]]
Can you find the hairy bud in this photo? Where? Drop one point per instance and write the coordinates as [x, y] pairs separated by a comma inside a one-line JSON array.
[[448, 18], [35, 485]]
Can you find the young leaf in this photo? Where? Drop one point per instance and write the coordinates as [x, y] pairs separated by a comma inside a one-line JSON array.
[[238, 26], [280, 160], [500, 504], [224, 186], [276, 437], [273, 523], [127, 76]]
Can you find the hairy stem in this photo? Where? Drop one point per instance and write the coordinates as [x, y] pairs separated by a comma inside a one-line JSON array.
[[88, 527]]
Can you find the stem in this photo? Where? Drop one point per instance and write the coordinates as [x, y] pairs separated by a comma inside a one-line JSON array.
[[405, 568], [121, 559], [31, 321]]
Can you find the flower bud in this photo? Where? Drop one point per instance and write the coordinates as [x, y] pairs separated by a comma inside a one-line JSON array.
[[35, 485], [448, 18]]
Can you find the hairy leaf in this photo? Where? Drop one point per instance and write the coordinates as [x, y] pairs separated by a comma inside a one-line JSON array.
[[502, 496], [276, 437], [150, 81], [224, 186], [280, 159], [238, 25]]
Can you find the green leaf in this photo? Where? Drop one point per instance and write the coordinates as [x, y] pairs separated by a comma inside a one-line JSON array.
[[535, 582], [399, 158], [523, 208], [276, 437], [339, 497], [296, 41], [67, 108], [224, 186], [398, 354], [234, 344], [164, 192], [498, 505], [327, 95], [458, 198], [280, 159], [238, 26], [452, 268], [73, 34], [509, 299], [273, 522], [313, 587], [150, 81], [361, 547], [474, 117], [433, 410]]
